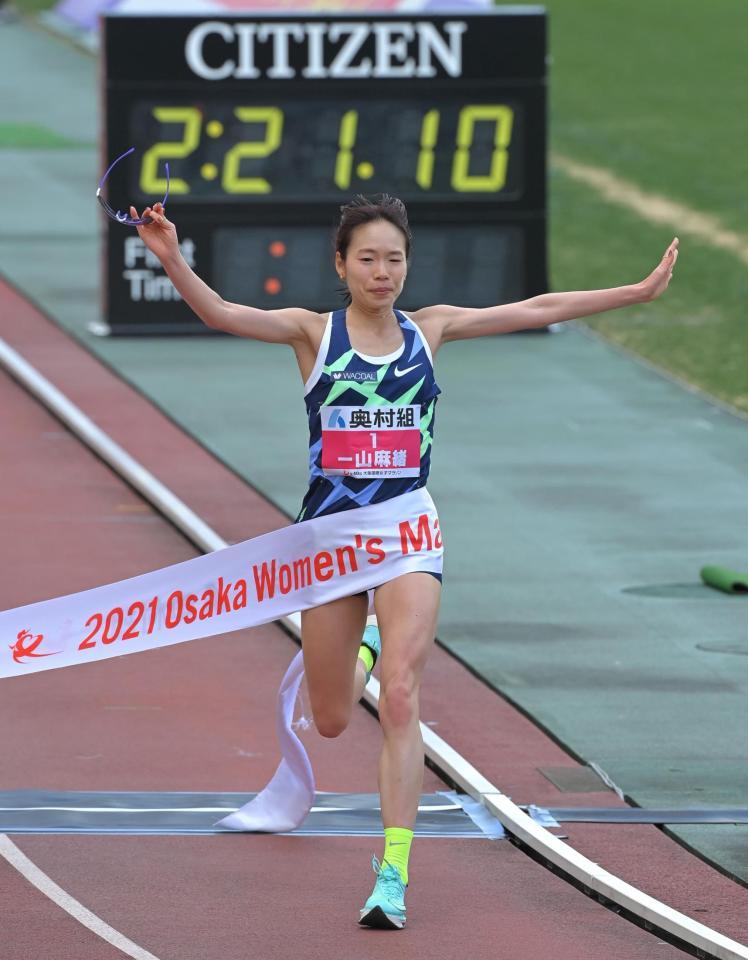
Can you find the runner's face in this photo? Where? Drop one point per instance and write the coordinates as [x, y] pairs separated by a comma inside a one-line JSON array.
[[375, 265]]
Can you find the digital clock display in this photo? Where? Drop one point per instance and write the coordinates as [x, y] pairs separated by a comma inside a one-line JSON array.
[[222, 150], [270, 123]]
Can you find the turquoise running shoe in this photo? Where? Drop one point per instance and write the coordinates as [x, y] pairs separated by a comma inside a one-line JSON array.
[[385, 908], [372, 640]]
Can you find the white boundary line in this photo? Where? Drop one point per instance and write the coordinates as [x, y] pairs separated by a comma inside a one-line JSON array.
[[29, 870], [654, 207], [441, 754]]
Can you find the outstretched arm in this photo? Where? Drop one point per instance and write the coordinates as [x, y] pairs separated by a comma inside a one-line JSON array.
[[273, 326], [461, 323]]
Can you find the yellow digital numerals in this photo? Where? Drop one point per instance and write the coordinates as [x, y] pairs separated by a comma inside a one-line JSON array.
[[503, 119], [192, 118], [271, 122], [272, 118]]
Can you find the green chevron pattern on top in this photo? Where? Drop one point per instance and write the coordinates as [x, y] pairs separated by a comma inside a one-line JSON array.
[[375, 400], [340, 364], [409, 394], [340, 386], [426, 438], [367, 388], [372, 397]]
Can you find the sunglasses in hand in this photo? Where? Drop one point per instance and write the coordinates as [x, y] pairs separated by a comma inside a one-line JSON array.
[[117, 215]]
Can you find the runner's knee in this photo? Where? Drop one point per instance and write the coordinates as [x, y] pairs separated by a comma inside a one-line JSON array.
[[331, 723], [398, 702]]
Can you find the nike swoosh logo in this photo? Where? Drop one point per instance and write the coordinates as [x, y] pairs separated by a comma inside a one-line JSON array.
[[401, 373]]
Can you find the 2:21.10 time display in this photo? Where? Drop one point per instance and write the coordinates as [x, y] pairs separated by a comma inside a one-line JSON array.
[[219, 150]]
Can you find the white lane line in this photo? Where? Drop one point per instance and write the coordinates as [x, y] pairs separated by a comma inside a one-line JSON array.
[[654, 207], [427, 808], [446, 759], [16, 858]]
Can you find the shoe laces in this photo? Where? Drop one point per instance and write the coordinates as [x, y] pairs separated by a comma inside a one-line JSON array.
[[388, 879]]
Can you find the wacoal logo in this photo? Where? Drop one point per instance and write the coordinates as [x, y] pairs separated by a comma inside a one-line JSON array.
[[356, 375], [22, 649]]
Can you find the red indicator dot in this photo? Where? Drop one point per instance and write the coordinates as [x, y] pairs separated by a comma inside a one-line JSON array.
[[272, 286], [277, 248]]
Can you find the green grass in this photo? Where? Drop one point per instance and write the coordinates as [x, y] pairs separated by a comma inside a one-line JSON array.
[[31, 135], [655, 93], [697, 330], [33, 6]]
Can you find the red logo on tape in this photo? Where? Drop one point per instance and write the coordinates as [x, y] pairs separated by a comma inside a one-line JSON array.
[[21, 649]]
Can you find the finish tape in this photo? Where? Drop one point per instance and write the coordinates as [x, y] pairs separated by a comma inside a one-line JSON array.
[[244, 585]]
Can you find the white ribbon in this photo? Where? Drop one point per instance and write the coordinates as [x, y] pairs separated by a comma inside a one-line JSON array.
[[285, 802], [245, 585]]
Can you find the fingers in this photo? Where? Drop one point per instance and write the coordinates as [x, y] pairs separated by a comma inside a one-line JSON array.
[[155, 213], [151, 215], [144, 216], [670, 256], [135, 215]]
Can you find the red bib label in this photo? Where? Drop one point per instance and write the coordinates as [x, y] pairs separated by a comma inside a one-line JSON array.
[[382, 441]]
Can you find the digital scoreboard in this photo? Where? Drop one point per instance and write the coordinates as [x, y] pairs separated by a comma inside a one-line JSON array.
[[270, 123]]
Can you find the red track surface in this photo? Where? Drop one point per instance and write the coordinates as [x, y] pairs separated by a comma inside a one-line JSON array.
[[198, 717]]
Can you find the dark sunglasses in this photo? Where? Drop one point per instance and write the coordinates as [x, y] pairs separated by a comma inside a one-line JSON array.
[[117, 215]]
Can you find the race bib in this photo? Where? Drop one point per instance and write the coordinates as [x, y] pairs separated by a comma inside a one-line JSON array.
[[382, 441]]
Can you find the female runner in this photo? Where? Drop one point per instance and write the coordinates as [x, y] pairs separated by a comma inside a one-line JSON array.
[[373, 362]]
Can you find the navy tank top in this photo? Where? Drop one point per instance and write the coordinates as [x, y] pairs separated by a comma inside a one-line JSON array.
[[348, 387]]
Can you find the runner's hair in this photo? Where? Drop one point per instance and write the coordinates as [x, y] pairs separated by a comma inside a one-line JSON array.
[[363, 209]]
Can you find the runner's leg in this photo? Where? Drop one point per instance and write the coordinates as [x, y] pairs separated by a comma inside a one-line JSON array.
[[407, 610], [331, 636]]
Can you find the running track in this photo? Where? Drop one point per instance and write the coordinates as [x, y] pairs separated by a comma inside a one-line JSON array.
[[199, 717]]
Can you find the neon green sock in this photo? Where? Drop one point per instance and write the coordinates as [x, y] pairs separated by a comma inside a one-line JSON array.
[[365, 654], [397, 841]]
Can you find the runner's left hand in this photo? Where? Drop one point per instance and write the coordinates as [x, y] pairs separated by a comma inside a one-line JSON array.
[[656, 283]]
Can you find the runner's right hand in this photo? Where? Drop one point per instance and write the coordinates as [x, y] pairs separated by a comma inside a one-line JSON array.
[[160, 235]]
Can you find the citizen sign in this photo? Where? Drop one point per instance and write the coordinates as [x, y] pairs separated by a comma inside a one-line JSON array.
[[318, 51]]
